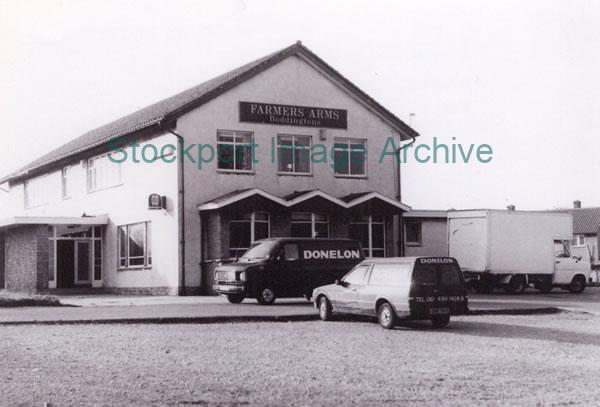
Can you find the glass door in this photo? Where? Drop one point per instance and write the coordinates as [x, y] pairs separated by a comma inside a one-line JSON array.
[[82, 262]]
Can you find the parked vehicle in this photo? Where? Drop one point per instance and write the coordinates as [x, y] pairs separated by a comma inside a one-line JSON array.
[[286, 267], [412, 288], [516, 249]]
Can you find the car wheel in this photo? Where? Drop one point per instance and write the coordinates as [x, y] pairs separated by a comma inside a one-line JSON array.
[[440, 321], [516, 285], [386, 316], [235, 298], [266, 296], [325, 312], [577, 285]]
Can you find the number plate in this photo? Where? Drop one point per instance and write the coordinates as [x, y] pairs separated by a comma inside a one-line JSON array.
[[438, 311]]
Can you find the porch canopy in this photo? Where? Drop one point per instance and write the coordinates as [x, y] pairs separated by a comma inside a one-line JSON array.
[[298, 198], [53, 220]]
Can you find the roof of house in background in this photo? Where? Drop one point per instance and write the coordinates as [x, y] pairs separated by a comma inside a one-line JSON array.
[[585, 220], [181, 103]]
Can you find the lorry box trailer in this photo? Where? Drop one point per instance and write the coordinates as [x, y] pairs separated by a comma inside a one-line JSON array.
[[515, 249]]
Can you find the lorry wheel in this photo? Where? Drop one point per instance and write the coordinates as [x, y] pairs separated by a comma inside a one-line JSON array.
[[577, 284], [235, 298], [266, 296], [325, 312], [516, 285], [440, 321], [386, 316]]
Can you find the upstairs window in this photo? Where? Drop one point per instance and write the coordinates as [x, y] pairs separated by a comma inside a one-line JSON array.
[[66, 182], [37, 192], [350, 157], [102, 173], [307, 224], [234, 151], [293, 154]]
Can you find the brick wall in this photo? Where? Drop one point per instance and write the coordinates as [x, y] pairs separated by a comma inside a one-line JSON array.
[[26, 258], [1, 260]]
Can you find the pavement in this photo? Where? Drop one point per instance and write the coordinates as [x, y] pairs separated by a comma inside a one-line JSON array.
[[195, 309]]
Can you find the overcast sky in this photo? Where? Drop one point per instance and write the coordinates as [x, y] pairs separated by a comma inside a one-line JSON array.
[[522, 76]]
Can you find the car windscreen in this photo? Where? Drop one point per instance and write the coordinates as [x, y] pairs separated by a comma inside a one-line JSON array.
[[444, 274], [259, 250]]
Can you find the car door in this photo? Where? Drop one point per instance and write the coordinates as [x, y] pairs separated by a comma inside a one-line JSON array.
[[346, 294]]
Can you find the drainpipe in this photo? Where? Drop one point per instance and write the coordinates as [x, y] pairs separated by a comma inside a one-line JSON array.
[[399, 194], [181, 214]]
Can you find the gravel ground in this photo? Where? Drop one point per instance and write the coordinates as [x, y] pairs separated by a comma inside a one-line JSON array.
[[486, 360]]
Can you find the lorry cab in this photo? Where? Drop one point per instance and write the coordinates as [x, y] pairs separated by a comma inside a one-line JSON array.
[[286, 267], [570, 272], [415, 288]]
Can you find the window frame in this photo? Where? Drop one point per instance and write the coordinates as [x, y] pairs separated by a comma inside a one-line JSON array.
[[147, 256], [90, 168], [348, 141], [252, 222], [43, 186], [368, 251], [234, 144], [578, 240], [65, 185], [411, 243], [293, 148], [313, 223]]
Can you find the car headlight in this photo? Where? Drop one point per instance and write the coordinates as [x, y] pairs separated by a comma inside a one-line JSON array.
[[242, 276]]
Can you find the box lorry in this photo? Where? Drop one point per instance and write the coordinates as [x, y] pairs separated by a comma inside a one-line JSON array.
[[516, 249]]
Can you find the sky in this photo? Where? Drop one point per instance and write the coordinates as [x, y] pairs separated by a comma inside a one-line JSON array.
[[521, 76]]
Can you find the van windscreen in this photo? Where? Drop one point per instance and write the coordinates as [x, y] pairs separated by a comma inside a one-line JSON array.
[[445, 274], [259, 250]]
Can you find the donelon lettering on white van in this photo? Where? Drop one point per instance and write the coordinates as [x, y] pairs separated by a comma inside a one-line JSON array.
[[331, 254], [442, 260]]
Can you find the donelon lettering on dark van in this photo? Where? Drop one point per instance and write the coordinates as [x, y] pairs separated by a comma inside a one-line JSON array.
[[331, 254], [436, 260]]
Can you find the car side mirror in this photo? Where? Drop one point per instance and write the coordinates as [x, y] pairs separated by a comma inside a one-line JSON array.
[[337, 281]]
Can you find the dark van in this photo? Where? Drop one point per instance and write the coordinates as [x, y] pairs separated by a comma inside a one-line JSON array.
[[286, 267]]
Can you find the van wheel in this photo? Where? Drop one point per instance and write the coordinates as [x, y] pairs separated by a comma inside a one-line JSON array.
[[577, 285], [386, 316], [440, 321], [235, 298], [325, 312], [516, 285], [266, 296]]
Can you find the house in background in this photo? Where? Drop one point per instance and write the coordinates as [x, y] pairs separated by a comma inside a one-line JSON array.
[[586, 224], [425, 233]]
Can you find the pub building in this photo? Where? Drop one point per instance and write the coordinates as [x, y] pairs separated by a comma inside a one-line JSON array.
[[97, 215]]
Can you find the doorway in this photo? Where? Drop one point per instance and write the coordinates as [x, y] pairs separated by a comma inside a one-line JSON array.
[[73, 265]]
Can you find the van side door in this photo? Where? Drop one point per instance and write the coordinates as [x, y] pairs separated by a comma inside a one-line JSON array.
[[289, 275]]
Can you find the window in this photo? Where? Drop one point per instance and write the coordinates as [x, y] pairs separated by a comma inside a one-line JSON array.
[[394, 275], [294, 154], [307, 224], [350, 157], [245, 230], [357, 275], [234, 151], [134, 243], [578, 240], [102, 173], [66, 182], [290, 252], [412, 233], [37, 192], [370, 232]]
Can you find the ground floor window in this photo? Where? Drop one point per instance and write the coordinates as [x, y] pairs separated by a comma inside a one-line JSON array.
[[246, 229], [412, 233], [310, 224], [135, 245], [369, 230]]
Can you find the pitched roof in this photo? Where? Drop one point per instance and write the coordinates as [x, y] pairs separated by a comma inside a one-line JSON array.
[[585, 220], [180, 103]]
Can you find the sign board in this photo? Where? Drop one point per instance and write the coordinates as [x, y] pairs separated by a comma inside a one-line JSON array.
[[289, 115], [155, 201]]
